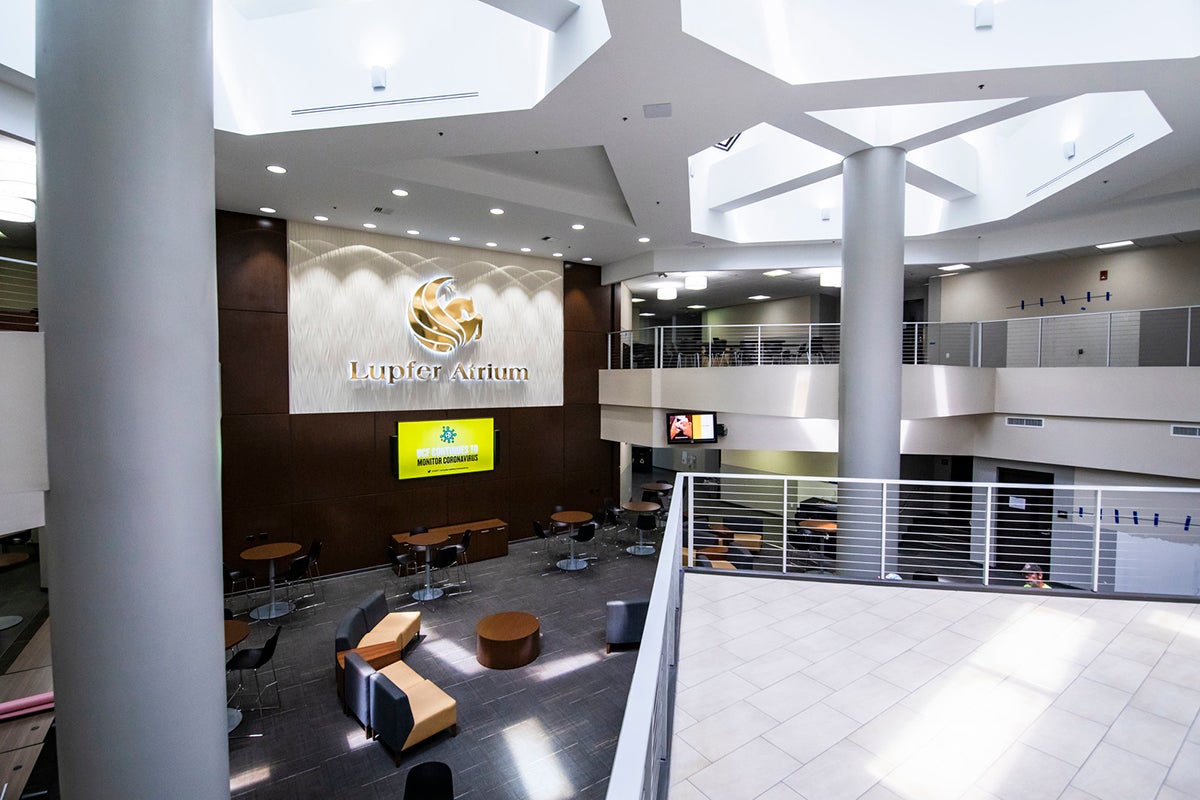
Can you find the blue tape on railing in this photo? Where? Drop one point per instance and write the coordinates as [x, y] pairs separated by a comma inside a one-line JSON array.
[[1022, 305], [1062, 298], [1187, 523], [1089, 297], [1081, 511], [1108, 295], [1117, 516], [1135, 522], [1042, 301], [1156, 519]]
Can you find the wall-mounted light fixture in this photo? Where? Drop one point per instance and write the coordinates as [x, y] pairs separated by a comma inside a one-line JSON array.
[[826, 214], [1068, 149], [985, 14], [378, 78]]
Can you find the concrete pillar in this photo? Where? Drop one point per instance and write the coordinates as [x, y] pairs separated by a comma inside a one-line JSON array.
[[127, 286], [872, 340]]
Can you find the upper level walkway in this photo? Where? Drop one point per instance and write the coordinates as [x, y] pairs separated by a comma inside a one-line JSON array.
[[1160, 337]]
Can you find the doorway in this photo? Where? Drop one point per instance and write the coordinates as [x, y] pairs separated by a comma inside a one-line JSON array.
[[1023, 520]]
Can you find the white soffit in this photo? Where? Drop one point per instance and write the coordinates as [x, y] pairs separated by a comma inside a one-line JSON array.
[[815, 41], [970, 163], [306, 64]]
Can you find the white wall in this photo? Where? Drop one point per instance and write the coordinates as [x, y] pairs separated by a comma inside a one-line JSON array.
[[789, 311], [23, 473], [1160, 277]]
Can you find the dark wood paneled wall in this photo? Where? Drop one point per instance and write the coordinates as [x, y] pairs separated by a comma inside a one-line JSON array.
[[328, 476]]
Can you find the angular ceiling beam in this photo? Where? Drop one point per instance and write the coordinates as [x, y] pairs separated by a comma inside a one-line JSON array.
[[548, 14]]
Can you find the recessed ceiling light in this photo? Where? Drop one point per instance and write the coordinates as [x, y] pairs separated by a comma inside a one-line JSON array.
[[695, 282], [643, 239], [759, 297], [776, 273], [637, 300], [491, 244], [646, 314], [370, 225], [578, 226], [697, 307], [400, 192], [456, 238], [586, 258], [557, 255], [667, 293], [954, 267], [832, 277], [526, 250], [1111, 245], [267, 210], [278, 170], [321, 218], [497, 211], [413, 232]]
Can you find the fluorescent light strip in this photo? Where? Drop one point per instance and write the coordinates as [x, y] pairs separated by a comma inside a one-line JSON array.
[[1111, 245]]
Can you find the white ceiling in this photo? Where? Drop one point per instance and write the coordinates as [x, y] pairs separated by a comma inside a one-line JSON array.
[[627, 97]]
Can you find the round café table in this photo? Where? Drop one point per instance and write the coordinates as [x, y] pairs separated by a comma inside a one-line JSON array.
[[424, 541], [658, 487], [270, 552], [571, 518], [507, 640], [236, 631], [640, 507]]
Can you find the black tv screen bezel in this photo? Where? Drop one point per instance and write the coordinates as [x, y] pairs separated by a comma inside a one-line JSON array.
[[692, 439]]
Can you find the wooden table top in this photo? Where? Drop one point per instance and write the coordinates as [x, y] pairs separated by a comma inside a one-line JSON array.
[[571, 517], [507, 626], [236, 631], [640, 506], [270, 551], [427, 539], [12, 559], [657, 487], [817, 524]]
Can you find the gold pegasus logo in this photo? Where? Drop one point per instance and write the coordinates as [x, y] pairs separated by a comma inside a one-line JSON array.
[[442, 322]]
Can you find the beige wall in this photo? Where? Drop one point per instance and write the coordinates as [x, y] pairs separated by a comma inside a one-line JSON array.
[[779, 462], [1160, 277], [792, 310]]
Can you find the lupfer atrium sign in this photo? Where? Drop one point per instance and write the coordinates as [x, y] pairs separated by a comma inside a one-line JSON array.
[[375, 326]]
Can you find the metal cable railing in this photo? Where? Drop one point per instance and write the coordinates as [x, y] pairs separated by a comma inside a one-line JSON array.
[[1151, 337]]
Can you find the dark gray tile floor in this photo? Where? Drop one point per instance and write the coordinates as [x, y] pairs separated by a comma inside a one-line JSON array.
[[546, 731]]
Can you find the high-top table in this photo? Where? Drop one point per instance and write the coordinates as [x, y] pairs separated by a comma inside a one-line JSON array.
[[424, 541], [640, 507], [571, 519], [269, 552]]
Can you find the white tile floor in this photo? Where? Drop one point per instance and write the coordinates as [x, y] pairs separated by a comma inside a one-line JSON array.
[[826, 691]]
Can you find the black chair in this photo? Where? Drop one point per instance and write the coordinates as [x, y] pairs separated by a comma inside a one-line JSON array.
[[235, 576], [558, 527], [404, 565], [443, 560], [314, 557], [298, 571], [585, 534], [460, 550], [431, 780], [543, 541], [255, 659]]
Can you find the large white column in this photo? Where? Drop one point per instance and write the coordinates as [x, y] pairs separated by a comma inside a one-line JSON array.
[[127, 286], [872, 340]]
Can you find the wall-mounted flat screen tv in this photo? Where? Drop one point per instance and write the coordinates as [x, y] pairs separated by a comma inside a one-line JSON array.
[[444, 447], [691, 428]]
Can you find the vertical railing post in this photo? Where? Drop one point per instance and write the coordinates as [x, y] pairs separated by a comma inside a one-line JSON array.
[[987, 535], [785, 524], [1108, 343], [808, 348], [883, 522], [660, 334], [977, 331], [1096, 544], [691, 521], [1041, 322], [1187, 346]]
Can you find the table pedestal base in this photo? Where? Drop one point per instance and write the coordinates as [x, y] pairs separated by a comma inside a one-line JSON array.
[[274, 610], [428, 593], [10, 622], [640, 549], [233, 718], [571, 564]]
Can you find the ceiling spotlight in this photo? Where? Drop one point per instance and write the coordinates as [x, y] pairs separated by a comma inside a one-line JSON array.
[[695, 282], [1111, 245], [400, 192], [776, 273], [378, 78], [586, 258], [667, 293], [491, 244], [370, 226], [278, 170], [557, 255], [646, 314], [321, 218], [759, 297], [643, 239], [578, 226], [832, 277], [954, 267], [267, 210], [637, 299], [455, 238], [697, 307], [662, 274], [413, 232], [526, 250], [497, 211]]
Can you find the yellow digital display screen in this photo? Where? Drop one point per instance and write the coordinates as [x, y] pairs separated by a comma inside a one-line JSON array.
[[444, 447]]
